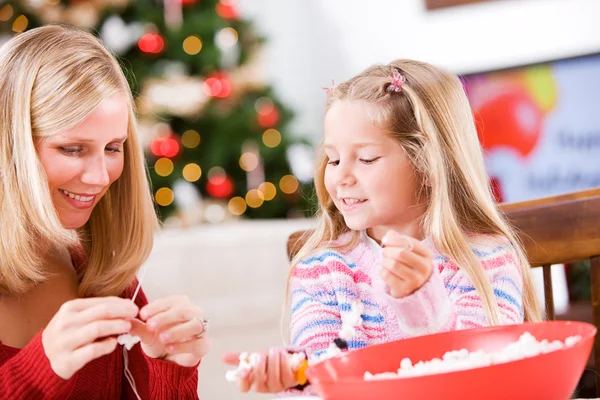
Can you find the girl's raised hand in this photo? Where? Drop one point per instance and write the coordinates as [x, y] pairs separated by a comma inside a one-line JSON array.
[[407, 264]]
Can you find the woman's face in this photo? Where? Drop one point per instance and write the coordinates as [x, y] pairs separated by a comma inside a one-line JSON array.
[[82, 162]]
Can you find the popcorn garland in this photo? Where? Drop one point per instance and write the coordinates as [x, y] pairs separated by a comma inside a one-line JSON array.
[[298, 361]]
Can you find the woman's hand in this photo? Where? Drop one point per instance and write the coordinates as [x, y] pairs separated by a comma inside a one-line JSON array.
[[407, 264], [173, 329], [85, 329]]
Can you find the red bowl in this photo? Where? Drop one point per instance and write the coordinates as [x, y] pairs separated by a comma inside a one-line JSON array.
[[547, 376]]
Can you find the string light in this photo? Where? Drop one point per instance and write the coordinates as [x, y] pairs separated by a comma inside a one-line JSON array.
[[164, 196], [163, 166], [288, 184], [219, 184], [237, 206], [227, 37], [151, 43], [248, 161], [192, 172], [190, 139], [6, 12], [20, 24], [254, 198], [267, 113], [192, 45], [164, 147], [271, 138], [268, 190], [217, 85], [226, 9]]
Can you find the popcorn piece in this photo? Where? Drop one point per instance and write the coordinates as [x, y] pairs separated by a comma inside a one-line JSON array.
[[247, 364], [350, 321], [128, 340], [296, 360], [526, 346]]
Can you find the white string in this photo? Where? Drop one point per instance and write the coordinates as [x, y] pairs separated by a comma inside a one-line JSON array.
[[137, 289], [127, 372]]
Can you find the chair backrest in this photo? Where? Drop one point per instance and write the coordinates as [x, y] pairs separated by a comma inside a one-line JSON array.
[[554, 230]]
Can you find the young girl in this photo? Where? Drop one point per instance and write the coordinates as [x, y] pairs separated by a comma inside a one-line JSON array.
[[77, 223], [407, 223]]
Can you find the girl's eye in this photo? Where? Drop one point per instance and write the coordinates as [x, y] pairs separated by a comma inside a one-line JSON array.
[[333, 162], [369, 160]]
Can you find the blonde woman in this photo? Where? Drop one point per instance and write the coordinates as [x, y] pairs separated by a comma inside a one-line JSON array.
[[407, 223], [77, 223]]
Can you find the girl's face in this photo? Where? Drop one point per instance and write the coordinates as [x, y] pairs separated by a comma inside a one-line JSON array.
[[368, 176], [82, 162]]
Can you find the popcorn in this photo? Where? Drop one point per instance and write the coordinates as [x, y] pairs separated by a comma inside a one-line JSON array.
[[247, 364], [350, 321], [456, 360], [128, 340], [298, 361]]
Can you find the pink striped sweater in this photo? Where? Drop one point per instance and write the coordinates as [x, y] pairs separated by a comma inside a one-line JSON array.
[[324, 285]]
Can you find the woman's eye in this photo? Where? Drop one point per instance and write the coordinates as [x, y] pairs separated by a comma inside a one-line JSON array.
[[70, 150]]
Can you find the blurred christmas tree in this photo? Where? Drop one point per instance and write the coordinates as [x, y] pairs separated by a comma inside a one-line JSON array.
[[214, 130]]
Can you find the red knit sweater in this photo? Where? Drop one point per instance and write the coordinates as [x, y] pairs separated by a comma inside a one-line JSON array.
[[26, 374]]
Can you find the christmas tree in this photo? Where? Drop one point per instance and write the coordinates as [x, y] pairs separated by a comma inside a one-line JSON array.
[[215, 132]]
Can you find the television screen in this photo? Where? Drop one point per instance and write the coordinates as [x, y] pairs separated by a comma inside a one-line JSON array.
[[539, 126]]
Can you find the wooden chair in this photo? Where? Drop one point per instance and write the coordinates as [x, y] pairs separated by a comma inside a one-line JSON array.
[[554, 230]]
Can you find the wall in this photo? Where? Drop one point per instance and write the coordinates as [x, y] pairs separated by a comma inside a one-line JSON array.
[[311, 42]]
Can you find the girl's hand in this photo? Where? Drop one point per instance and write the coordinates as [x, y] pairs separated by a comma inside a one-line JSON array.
[[173, 329], [273, 374], [407, 264], [85, 329]]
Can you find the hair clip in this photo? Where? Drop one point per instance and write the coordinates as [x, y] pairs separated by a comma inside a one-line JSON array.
[[397, 81], [329, 89]]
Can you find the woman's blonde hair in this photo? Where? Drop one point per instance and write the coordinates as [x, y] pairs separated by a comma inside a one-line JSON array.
[[432, 120], [52, 78]]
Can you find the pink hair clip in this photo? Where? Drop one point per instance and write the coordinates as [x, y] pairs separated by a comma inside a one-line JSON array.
[[397, 81], [329, 89]]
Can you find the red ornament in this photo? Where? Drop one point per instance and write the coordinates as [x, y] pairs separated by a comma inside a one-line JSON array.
[[164, 147], [227, 10], [510, 119], [151, 43], [188, 2], [220, 186], [268, 116], [218, 85]]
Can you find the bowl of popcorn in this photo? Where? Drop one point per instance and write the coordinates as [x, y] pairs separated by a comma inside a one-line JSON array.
[[527, 361]]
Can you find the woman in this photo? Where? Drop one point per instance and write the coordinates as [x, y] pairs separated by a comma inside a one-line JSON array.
[[77, 224]]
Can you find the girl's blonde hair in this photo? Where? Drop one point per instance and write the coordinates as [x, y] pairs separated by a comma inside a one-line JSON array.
[[432, 120], [52, 78]]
